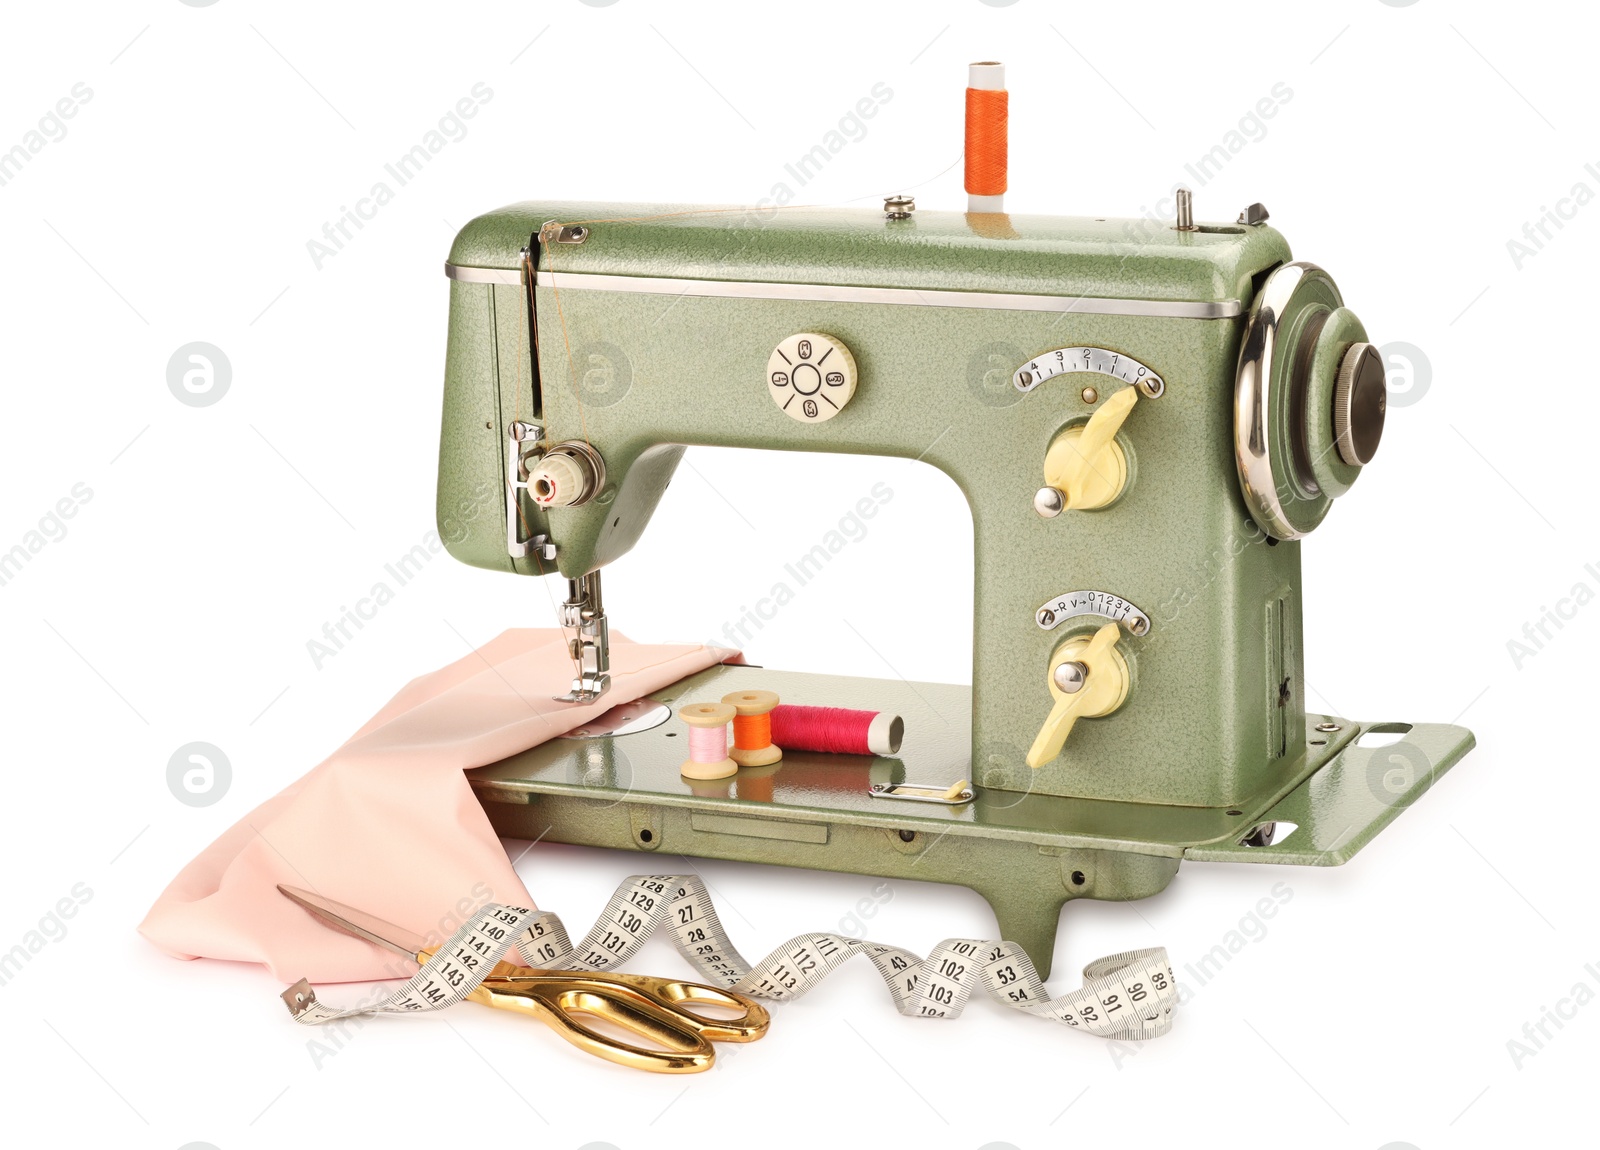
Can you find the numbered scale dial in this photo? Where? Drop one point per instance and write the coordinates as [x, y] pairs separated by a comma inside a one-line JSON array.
[[1092, 359], [811, 376]]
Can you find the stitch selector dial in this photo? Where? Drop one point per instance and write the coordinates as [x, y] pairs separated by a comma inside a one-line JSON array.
[[811, 376], [1088, 678]]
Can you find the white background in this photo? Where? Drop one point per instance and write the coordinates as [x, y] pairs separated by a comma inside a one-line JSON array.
[[1377, 1007]]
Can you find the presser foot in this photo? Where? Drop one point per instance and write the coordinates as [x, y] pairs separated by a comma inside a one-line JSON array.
[[584, 612], [586, 690]]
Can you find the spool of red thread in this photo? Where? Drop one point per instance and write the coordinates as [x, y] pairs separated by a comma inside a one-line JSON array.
[[836, 730]]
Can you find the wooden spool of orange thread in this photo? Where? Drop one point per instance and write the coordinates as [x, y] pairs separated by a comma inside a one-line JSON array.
[[752, 728]]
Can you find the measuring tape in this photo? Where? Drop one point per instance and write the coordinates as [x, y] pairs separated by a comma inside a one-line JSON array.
[[1124, 996]]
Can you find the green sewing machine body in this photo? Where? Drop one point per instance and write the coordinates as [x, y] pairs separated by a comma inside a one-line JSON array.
[[557, 338]]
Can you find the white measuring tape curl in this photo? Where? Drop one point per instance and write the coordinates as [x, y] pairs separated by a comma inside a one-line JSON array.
[[1126, 996], [445, 979]]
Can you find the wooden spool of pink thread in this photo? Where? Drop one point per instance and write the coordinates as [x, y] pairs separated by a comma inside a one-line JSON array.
[[708, 741]]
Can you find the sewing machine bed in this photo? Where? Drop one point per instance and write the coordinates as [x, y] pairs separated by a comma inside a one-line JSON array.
[[1026, 853]]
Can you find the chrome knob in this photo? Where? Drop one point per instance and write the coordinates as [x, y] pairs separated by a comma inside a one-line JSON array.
[[1071, 677], [1360, 399]]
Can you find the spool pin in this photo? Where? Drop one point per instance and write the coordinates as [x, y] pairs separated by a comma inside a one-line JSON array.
[[752, 728], [708, 741]]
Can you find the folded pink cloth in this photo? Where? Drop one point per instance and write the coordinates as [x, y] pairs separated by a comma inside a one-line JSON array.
[[388, 823]]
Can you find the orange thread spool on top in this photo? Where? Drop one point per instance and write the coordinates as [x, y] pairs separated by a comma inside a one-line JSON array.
[[988, 110], [752, 728]]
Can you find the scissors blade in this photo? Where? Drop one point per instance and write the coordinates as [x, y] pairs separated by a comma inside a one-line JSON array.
[[356, 922]]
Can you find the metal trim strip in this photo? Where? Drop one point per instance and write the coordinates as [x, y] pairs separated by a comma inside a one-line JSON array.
[[836, 293], [468, 275]]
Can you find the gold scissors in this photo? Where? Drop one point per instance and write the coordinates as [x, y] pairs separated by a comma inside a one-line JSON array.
[[652, 1008]]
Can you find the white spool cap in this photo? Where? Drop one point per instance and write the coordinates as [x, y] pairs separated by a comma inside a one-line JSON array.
[[987, 74], [884, 734]]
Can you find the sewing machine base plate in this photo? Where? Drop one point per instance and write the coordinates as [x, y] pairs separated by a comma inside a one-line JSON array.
[[1026, 854]]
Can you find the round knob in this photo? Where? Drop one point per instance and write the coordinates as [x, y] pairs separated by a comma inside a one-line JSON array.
[[568, 475], [1360, 398], [555, 481], [1070, 677], [811, 376], [1308, 404], [1049, 502]]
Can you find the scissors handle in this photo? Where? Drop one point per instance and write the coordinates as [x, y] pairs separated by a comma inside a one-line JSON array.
[[678, 1041], [672, 993]]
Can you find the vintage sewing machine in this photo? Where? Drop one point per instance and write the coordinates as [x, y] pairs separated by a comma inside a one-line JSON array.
[[1145, 417]]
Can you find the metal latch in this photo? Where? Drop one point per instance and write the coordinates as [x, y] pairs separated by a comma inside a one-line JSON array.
[[924, 792], [538, 546]]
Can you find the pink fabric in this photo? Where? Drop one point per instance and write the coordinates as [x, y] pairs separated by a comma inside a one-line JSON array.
[[388, 823]]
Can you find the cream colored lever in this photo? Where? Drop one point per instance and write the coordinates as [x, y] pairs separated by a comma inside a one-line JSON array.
[[1088, 678], [1085, 464]]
